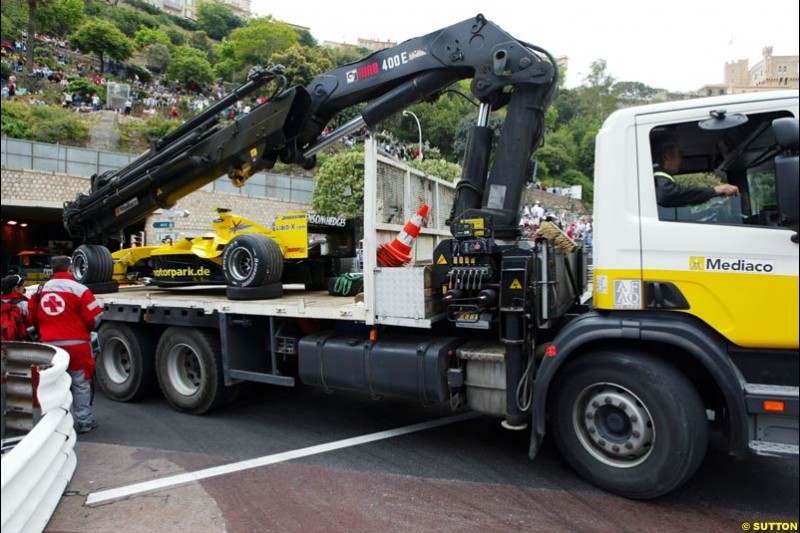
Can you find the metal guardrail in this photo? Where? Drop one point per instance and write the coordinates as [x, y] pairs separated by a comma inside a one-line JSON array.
[[35, 472], [46, 157]]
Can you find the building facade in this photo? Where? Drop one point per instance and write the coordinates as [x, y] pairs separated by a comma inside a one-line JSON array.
[[770, 73], [188, 8]]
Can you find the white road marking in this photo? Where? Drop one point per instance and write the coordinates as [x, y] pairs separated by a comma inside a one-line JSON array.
[[105, 496]]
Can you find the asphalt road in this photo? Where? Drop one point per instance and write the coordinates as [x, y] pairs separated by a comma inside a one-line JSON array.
[[468, 476]]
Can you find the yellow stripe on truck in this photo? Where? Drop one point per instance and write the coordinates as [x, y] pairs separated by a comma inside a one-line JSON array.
[[750, 310]]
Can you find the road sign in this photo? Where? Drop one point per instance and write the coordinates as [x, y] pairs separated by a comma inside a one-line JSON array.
[[163, 224], [174, 213], [167, 238]]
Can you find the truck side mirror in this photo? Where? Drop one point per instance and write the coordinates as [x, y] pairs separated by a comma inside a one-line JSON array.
[[786, 168]]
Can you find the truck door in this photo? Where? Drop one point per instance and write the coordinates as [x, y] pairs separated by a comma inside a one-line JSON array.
[[728, 261]]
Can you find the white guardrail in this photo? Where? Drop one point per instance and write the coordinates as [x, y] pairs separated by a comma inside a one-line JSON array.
[[38, 424]]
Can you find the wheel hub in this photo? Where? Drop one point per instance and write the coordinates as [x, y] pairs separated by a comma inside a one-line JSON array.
[[117, 360], [614, 425], [183, 368], [241, 263]]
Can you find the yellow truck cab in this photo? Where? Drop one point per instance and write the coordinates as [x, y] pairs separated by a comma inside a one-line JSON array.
[[705, 294]]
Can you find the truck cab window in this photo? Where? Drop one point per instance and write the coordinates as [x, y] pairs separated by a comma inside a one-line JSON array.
[[716, 176]]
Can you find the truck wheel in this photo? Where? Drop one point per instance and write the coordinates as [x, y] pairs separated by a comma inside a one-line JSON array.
[[92, 264], [629, 423], [189, 369], [125, 366], [252, 261]]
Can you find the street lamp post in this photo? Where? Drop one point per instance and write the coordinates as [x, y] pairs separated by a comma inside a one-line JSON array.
[[419, 128]]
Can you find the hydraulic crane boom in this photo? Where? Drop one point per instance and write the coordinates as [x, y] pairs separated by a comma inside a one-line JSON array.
[[289, 125]]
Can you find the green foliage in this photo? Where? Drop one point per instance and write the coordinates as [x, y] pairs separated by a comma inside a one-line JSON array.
[[148, 36], [135, 70], [15, 18], [186, 24], [306, 39], [437, 167], [254, 43], [700, 179], [129, 21], [158, 57], [440, 121], [190, 65], [144, 6], [199, 39], [101, 37], [217, 20], [339, 186], [635, 91], [43, 123], [556, 157], [60, 18], [96, 8], [576, 177], [7, 26], [343, 56], [460, 140], [86, 88], [135, 135], [302, 63], [177, 36]]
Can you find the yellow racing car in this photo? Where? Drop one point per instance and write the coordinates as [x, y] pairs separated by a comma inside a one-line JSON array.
[[252, 260]]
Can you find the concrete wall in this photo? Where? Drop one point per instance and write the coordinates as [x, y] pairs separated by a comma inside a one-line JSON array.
[[27, 188]]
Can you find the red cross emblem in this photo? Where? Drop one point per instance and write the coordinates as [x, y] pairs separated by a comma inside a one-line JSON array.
[[53, 304]]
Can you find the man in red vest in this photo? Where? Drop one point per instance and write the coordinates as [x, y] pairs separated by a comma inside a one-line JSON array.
[[66, 312]]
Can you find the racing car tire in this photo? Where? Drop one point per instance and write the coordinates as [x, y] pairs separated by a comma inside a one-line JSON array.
[[92, 263], [265, 292], [252, 260], [103, 287]]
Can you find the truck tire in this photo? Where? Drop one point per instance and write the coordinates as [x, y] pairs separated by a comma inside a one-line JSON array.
[[92, 264], [252, 260], [628, 423], [189, 369], [126, 364]]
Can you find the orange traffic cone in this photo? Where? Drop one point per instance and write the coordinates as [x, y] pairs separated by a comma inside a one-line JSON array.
[[398, 252]]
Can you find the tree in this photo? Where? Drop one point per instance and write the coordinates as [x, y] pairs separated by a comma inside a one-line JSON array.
[[339, 186], [145, 37], [347, 54], [302, 64], [104, 39], [437, 167], [190, 66], [635, 91], [31, 44], [7, 28], [177, 36], [462, 130], [200, 40], [159, 57], [597, 96], [259, 39], [306, 39], [217, 20], [61, 17]]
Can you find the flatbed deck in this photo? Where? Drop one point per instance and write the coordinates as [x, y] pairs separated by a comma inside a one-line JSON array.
[[295, 302]]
